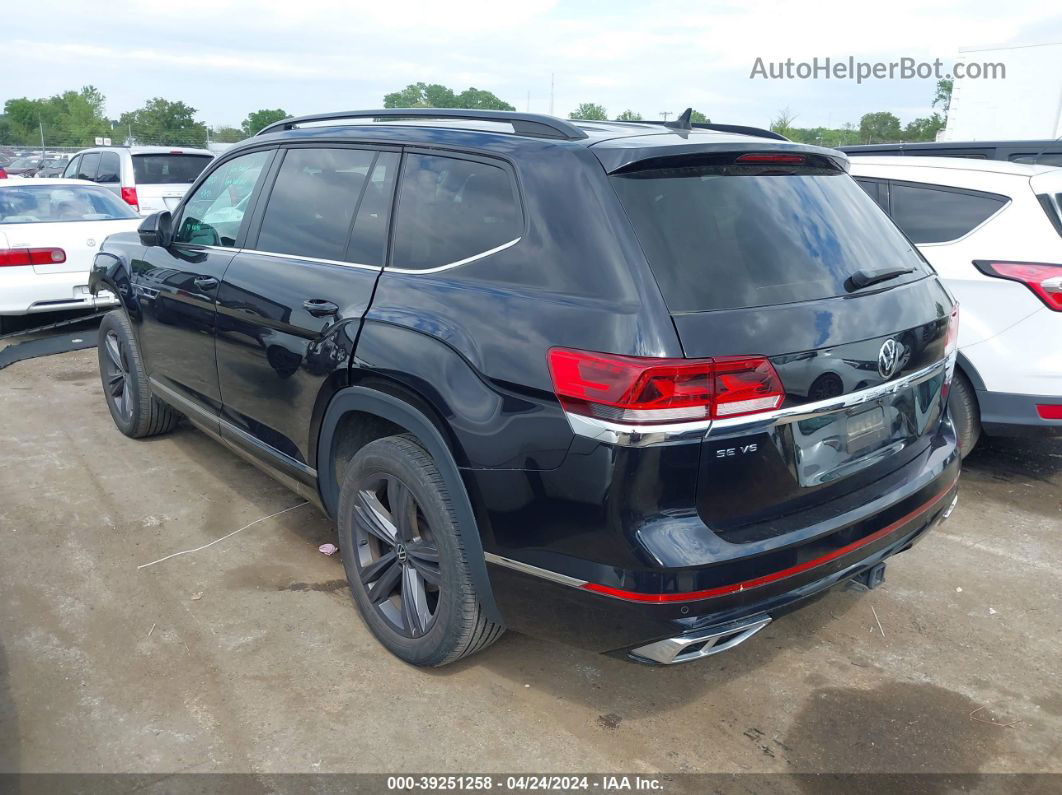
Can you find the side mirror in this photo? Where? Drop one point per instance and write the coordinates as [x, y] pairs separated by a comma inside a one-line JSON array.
[[157, 230]]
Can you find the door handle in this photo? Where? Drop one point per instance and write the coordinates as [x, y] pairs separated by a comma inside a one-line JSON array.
[[205, 282], [318, 307]]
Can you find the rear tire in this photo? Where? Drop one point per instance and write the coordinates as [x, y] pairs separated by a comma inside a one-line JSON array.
[[136, 412], [965, 414], [407, 567]]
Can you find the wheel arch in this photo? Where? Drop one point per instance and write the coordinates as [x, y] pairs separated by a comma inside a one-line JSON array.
[[396, 413]]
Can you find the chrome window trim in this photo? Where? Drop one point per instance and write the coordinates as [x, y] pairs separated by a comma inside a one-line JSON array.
[[624, 435], [465, 261], [278, 255], [535, 571]]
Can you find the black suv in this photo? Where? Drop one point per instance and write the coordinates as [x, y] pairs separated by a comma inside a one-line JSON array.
[[637, 387]]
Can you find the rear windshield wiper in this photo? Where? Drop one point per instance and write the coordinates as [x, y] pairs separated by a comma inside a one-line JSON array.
[[865, 277]]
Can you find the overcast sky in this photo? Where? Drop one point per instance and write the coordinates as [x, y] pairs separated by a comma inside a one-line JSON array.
[[229, 57]]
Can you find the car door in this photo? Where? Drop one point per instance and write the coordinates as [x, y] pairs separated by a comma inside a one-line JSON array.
[[177, 285], [291, 302]]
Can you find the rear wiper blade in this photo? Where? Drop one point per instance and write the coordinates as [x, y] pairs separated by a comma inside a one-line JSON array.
[[865, 277]]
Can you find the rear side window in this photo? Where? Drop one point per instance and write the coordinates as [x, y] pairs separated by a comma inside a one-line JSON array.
[[875, 190], [450, 210], [729, 236], [325, 200], [937, 215], [1046, 159], [110, 168], [168, 169], [89, 164]]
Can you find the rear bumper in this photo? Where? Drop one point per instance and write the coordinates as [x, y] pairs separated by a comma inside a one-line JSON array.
[[1005, 414], [619, 607], [24, 292]]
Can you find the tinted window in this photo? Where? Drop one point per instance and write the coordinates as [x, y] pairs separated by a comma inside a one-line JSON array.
[[43, 203], [450, 210], [89, 164], [110, 168], [168, 169], [875, 190], [213, 214], [932, 215], [70, 172], [731, 236], [1046, 159], [319, 193]]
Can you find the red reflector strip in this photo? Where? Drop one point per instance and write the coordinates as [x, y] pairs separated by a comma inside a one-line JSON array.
[[1050, 411], [767, 579]]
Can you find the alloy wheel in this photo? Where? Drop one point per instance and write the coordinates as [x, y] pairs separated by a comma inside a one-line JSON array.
[[116, 375], [396, 556]]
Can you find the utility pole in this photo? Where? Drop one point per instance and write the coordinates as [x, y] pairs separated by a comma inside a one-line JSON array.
[[665, 114], [551, 93], [41, 123]]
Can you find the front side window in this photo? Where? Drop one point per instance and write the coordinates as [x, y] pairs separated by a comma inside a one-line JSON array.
[[70, 172], [330, 204], [450, 210], [937, 215], [213, 214]]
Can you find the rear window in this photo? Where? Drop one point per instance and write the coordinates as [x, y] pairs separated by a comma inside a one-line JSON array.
[[168, 169], [51, 203], [729, 236]]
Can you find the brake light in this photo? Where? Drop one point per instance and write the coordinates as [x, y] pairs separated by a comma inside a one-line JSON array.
[[3, 174], [645, 391], [129, 197], [1042, 278], [31, 256], [772, 158]]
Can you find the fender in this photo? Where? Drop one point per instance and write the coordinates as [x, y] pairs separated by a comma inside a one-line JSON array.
[[971, 373], [388, 407]]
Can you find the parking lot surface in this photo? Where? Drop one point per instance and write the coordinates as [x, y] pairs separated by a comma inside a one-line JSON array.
[[248, 655]]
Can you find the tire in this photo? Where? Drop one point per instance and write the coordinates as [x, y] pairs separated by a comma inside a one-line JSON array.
[[136, 412], [965, 414], [413, 589]]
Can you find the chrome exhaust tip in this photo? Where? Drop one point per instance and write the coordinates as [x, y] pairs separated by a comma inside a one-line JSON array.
[[696, 645], [950, 508]]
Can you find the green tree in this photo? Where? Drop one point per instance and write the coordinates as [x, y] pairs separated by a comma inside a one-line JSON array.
[[880, 127], [226, 135], [699, 118], [588, 111], [72, 118], [782, 123], [478, 99], [165, 123], [924, 129], [943, 96], [629, 115], [434, 95], [261, 119]]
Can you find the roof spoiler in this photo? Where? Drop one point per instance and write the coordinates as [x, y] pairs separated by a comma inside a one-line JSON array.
[[535, 125], [683, 123]]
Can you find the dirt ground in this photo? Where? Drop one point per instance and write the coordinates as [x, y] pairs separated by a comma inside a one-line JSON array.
[[248, 656]]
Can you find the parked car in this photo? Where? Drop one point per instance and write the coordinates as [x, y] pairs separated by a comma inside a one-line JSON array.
[[536, 369], [49, 231], [52, 168], [147, 178], [24, 166], [1044, 153], [993, 231]]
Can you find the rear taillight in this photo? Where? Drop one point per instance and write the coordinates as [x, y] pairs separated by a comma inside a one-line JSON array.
[[772, 157], [646, 391], [1042, 278], [1049, 411], [130, 198], [31, 256], [3, 174]]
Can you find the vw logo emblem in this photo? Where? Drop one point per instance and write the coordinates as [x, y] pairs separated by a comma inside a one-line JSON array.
[[888, 358], [91, 242]]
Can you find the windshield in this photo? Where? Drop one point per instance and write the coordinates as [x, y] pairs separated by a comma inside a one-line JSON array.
[[168, 169], [51, 203], [727, 236]]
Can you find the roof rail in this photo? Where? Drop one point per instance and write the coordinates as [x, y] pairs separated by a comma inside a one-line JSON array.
[[683, 123], [535, 125]]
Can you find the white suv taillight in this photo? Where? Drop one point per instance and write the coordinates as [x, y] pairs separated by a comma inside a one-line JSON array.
[[1044, 279], [646, 391]]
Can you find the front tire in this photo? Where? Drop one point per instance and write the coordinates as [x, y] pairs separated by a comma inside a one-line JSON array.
[[965, 414], [135, 411], [407, 568]]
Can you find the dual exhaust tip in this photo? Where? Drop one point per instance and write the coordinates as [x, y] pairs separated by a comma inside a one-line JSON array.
[[696, 645]]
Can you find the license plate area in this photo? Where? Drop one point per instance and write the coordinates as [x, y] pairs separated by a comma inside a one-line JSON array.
[[866, 429]]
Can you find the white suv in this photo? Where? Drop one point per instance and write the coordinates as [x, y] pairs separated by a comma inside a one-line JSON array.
[[148, 178], [993, 231]]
